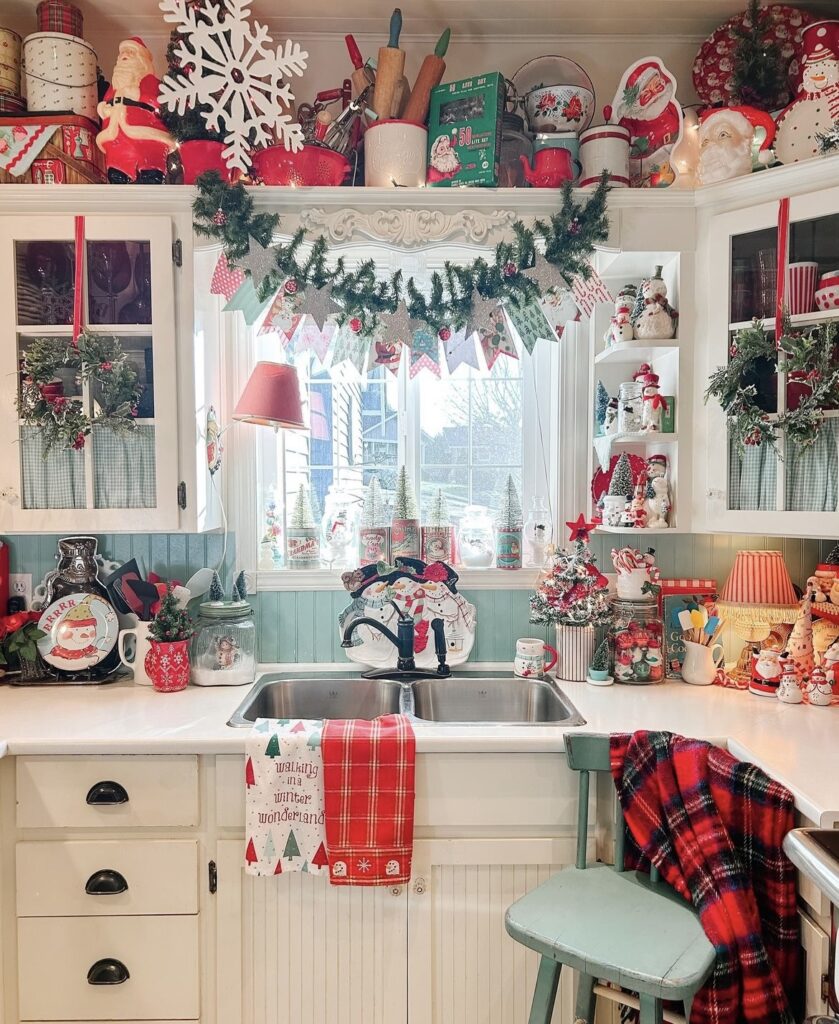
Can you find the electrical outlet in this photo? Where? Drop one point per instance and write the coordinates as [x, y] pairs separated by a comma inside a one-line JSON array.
[[20, 585]]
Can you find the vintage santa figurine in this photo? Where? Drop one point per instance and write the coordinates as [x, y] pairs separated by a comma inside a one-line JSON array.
[[727, 137], [815, 110], [646, 105], [819, 689], [766, 673], [133, 138]]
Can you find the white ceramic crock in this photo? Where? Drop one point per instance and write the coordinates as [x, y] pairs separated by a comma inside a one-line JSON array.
[[395, 154], [605, 148]]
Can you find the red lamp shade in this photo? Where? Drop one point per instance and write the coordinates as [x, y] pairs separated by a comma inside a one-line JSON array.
[[271, 398], [759, 589]]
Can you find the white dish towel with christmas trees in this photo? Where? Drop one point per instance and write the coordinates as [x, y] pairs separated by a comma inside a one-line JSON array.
[[284, 803]]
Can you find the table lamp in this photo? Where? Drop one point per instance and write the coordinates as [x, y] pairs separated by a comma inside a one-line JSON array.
[[757, 595], [271, 398]]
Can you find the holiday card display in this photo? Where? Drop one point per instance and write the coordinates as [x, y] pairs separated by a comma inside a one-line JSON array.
[[421, 590], [464, 131]]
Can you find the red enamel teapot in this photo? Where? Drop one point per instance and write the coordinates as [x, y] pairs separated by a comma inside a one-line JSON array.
[[551, 167]]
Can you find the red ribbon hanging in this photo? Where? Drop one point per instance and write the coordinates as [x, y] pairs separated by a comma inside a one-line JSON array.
[[783, 261], [78, 284]]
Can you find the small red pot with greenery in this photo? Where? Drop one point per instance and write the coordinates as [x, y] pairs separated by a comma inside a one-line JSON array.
[[167, 663]]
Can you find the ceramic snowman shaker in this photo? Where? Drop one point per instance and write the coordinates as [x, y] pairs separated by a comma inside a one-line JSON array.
[[819, 689], [653, 316], [789, 689]]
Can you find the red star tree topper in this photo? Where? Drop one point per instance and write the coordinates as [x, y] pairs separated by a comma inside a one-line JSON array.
[[580, 529]]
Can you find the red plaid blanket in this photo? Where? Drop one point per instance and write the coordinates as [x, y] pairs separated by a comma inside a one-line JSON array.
[[368, 791], [713, 826]]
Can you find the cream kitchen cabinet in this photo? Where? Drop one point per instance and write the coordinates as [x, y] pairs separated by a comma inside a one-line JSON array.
[[144, 284]]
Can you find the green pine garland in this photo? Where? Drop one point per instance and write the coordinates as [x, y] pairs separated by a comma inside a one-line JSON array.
[[813, 356], [759, 77], [225, 213]]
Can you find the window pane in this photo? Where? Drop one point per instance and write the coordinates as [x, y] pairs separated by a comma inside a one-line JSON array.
[[488, 485], [44, 282], [119, 282]]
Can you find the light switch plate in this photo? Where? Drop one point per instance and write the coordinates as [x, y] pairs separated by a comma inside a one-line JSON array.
[[20, 585]]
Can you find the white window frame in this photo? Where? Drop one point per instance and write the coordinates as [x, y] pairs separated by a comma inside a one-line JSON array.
[[543, 374]]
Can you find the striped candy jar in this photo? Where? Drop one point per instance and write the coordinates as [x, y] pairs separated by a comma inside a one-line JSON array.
[[801, 286]]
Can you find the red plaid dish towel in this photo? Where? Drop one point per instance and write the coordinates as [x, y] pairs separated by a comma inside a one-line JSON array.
[[714, 826], [368, 796]]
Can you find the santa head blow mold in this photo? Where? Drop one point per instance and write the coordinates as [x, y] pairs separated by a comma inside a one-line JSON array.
[[815, 110], [726, 142], [133, 138]]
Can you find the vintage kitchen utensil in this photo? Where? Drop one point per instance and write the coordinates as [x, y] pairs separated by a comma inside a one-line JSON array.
[[430, 74], [362, 75], [199, 582], [390, 69], [146, 593]]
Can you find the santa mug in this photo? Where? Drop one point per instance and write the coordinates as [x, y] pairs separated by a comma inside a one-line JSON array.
[[530, 658]]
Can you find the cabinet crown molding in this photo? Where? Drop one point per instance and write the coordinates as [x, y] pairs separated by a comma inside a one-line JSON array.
[[409, 228]]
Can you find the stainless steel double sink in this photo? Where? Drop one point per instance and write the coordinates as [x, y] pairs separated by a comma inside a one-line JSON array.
[[468, 698]]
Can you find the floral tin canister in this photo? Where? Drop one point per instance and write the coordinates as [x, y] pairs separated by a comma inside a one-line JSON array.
[[10, 44]]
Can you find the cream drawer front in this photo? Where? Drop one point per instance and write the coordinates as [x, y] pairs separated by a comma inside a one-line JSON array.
[[230, 791], [84, 792], [160, 955], [125, 877]]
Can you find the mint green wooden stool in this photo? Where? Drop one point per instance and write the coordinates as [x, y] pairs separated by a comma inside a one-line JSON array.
[[623, 926]]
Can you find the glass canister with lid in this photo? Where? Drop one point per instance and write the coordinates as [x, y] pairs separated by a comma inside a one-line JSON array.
[[515, 143], [630, 407], [223, 651], [636, 641]]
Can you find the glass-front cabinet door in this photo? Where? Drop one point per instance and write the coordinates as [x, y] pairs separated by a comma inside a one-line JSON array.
[[786, 484], [89, 431]]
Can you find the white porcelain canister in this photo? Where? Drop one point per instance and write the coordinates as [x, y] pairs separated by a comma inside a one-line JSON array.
[[9, 62], [395, 154], [60, 73], [605, 148]]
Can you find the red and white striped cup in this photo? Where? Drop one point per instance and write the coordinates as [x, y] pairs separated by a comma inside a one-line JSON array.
[[801, 286], [605, 148]]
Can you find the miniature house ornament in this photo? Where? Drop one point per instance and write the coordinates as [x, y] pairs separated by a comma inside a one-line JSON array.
[[728, 138], [133, 138], [815, 110]]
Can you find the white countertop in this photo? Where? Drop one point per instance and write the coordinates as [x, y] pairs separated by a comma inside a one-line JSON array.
[[797, 745]]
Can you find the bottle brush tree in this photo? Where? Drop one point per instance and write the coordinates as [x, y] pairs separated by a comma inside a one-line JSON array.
[[216, 592], [301, 515], [240, 587], [438, 512], [572, 591], [759, 76], [509, 516], [373, 510], [600, 658], [601, 403], [405, 502], [621, 482], [171, 623]]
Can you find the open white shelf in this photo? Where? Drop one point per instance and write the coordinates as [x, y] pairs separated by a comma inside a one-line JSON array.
[[637, 352], [649, 437], [818, 316], [645, 532]]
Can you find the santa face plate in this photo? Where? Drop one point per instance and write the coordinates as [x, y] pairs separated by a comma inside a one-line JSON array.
[[81, 631]]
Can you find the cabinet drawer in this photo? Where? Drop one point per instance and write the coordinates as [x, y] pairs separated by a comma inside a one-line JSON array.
[[159, 954], [83, 792], [160, 876]]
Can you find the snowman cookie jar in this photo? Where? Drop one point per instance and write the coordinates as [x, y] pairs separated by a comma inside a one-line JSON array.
[[620, 326], [789, 689], [653, 317], [819, 689], [766, 673], [815, 110]]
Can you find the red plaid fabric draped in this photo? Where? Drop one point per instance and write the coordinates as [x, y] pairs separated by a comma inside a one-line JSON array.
[[713, 826], [368, 790]]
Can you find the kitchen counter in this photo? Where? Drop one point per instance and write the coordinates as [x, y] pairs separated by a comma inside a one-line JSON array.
[[797, 745]]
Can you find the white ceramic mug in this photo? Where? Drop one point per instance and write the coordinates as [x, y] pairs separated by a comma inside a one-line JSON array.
[[395, 154], [530, 658], [700, 664], [605, 148], [138, 648]]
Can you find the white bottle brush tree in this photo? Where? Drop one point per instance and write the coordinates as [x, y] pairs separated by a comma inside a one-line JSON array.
[[302, 517], [373, 514], [438, 512], [510, 516], [405, 502]]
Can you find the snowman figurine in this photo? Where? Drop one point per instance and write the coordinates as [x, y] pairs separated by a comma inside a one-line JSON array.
[[814, 586], [654, 408], [653, 316], [766, 673], [815, 110], [658, 493], [610, 423], [620, 326], [830, 661], [819, 689], [789, 689]]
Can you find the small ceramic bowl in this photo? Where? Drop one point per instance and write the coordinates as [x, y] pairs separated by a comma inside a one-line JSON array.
[[827, 293], [558, 108]]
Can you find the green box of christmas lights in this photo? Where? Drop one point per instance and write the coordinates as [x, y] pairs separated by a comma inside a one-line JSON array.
[[464, 131]]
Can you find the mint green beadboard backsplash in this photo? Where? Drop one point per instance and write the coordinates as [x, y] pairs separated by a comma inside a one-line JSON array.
[[301, 626]]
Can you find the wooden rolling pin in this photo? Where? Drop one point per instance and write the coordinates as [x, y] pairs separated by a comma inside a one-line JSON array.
[[430, 74], [390, 67]]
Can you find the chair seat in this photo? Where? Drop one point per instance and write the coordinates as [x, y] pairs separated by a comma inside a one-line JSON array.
[[616, 925]]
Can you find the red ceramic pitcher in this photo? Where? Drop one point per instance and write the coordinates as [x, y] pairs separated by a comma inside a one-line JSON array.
[[551, 167], [167, 665]]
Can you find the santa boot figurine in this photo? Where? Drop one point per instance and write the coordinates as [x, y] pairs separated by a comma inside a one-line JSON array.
[[815, 110], [133, 138], [819, 690], [789, 690]]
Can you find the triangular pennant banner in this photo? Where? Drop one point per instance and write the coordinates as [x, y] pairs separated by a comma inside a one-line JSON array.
[[425, 352], [459, 349], [351, 345], [496, 340], [247, 301], [226, 279], [559, 307], [386, 353], [283, 316], [529, 323], [587, 293]]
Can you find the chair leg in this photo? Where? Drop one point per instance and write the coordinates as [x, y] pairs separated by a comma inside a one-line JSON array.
[[585, 1000], [688, 1004], [544, 997], [652, 1010]]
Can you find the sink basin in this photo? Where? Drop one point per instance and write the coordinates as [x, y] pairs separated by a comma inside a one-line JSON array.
[[815, 852], [493, 700], [318, 697]]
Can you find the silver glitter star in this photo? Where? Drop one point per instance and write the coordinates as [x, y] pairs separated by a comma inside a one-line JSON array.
[[259, 262], [396, 326], [320, 305], [546, 275], [483, 308]]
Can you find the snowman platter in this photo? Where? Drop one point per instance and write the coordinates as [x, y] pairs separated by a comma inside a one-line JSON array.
[[81, 630], [815, 110]]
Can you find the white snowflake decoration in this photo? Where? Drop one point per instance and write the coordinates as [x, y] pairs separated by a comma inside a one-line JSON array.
[[238, 74]]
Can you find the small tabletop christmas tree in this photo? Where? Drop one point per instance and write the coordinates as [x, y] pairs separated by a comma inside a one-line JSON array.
[[510, 516], [438, 513], [302, 516], [601, 403], [833, 556], [373, 511], [216, 592], [240, 588], [405, 503], [171, 623], [572, 591], [621, 482]]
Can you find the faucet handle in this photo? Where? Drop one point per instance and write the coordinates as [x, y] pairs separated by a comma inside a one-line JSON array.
[[403, 616]]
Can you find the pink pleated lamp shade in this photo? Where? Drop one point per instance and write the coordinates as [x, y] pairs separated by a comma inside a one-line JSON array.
[[758, 589], [271, 398]]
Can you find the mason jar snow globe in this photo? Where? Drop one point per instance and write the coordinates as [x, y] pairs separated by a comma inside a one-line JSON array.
[[476, 538], [223, 651]]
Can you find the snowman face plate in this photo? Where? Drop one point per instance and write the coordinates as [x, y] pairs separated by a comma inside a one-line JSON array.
[[424, 600], [81, 630]]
